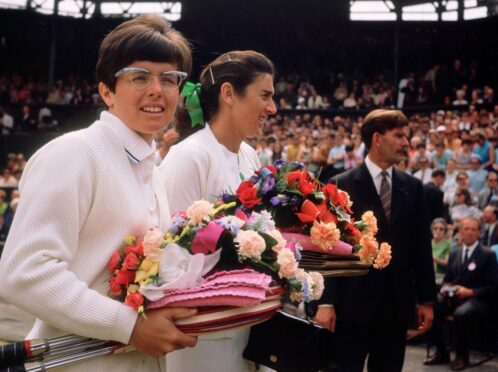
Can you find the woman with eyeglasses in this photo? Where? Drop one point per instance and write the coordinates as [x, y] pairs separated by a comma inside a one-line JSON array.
[[85, 191], [441, 246], [236, 98]]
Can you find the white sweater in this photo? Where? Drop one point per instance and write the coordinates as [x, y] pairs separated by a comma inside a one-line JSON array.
[[201, 167], [79, 199]]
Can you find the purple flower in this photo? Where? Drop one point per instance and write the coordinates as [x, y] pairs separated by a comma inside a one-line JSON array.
[[307, 294], [177, 225], [275, 201], [279, 163], [268, 184], [279, 199], [254, 179]]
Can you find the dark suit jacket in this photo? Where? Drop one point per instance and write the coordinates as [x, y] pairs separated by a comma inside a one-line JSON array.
[[410, 274], [479, 274], [433, 197], [493, 239]]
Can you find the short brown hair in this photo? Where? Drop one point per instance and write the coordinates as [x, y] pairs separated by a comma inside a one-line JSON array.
[[144, 38], [380, 121]]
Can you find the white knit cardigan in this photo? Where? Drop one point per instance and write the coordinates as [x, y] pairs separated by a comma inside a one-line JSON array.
[[79, 199]]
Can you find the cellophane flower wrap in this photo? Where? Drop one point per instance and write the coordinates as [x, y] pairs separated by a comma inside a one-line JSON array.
[[203, 240], [299, 203]]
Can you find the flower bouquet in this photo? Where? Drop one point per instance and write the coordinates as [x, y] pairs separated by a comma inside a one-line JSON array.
[[233, 267], [315, 217]]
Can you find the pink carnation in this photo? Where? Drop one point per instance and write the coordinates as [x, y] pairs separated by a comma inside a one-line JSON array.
[[384, 256], [371, 222], [287, 263], [318, 284], [251, 244], [325, 235], [368, 252], [152, 244], [199, 211]]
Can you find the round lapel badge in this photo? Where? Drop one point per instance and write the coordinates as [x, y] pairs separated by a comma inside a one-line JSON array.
[[472, 266]]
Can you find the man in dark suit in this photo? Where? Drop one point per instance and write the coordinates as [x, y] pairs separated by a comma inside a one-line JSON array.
[[489, 228], [469, 286], [373, 311], [434, 195]]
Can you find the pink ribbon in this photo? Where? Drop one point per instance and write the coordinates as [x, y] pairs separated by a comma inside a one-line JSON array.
[[340, 249], [206, 239]]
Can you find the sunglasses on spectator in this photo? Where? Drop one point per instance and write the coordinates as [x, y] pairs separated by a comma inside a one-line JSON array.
[[438, 228], [461, 178], [141, 78]]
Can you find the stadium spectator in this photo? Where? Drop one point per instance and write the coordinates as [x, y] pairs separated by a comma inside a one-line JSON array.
[[489, 231], [489, 194], [485, 150], [424, 171], [440, 155], [477, 175], [451, 174], [6, 122], [434, 196], [441, 246], [463, 207], [463, 155], [468, 290]]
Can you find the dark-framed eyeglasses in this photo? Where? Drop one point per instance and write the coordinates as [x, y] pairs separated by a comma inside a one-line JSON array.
[[141, 78]]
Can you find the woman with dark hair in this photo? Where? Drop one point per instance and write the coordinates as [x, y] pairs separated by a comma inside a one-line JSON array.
[[464, 206], [236, 97], [99, 185]]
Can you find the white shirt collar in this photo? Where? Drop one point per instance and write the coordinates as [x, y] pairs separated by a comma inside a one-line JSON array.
[[375, 170], [470, 248], [136, 147]]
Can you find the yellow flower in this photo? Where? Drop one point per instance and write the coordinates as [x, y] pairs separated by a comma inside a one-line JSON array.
[[154, 269], [141, 276], [146, 265]]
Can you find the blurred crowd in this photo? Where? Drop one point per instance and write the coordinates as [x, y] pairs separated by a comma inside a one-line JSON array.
[[454, 151], [9, 194], [455, 84]]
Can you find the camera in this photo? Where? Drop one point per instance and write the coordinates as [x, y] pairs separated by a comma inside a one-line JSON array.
[[449, 291]]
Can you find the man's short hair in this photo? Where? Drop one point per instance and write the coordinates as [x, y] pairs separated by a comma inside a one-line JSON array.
[[380, 121], [438, 173]]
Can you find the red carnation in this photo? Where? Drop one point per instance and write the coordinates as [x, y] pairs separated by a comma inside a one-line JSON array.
[[131, 261], [115, 288], [247, 194], [125, 277], [114, 262], [135, 300], [137, 249]]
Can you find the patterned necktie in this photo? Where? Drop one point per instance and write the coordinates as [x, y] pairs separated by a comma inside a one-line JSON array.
[[385, 194]]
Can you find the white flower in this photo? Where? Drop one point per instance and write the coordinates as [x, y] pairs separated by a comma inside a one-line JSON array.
[[199, 212], [251, 244]]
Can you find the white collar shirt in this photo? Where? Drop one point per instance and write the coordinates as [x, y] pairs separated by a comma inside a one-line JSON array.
[[467, 251], [376, 173], [141, 156]]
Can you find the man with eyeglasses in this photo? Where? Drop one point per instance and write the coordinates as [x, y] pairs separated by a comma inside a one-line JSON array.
[[489, 194]]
